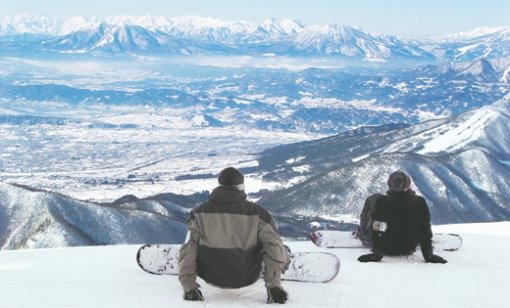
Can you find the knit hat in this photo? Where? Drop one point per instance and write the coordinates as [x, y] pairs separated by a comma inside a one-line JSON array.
[[399, 181], [230, 176]]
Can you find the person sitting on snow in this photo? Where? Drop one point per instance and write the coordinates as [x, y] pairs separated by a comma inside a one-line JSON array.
[[229, 238], [397, 222]]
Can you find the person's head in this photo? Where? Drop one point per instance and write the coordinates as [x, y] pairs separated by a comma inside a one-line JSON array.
[[399, 181], [230, 176]]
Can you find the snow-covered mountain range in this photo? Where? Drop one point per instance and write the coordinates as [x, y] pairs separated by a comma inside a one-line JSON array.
[[192, 35], [311, 100], [479, 43]]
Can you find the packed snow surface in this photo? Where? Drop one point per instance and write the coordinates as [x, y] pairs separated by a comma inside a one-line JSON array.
[[461, 135], [475, 276]]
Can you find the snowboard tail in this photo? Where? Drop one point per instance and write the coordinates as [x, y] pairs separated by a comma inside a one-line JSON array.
[[348, 239], [312, 267], [159, 259], [316, 267]]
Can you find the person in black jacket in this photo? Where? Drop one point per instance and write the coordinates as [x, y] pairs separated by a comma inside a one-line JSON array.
[[401, 221]]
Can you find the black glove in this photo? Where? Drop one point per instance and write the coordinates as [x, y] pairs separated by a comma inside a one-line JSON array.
[[194, 295], [371, 257], [435, 259], [276, 295]]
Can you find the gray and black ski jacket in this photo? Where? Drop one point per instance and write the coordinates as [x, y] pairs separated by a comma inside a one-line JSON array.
[[228, 239]]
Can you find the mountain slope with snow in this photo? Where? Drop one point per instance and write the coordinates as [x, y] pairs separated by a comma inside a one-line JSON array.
[[108, 276], [438, 155], [37, 219], [477, 44]]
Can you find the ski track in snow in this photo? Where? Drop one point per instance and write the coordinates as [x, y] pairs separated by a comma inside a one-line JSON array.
[[109, 277], [459, 136]]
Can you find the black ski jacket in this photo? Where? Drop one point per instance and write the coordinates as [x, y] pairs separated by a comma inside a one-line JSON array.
[[408, 224]]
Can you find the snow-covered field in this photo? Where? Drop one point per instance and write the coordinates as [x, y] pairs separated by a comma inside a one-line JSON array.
[[475, 276], [106, 163]]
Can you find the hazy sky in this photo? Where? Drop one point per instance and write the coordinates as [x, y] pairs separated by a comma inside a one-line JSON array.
[[399, 17]]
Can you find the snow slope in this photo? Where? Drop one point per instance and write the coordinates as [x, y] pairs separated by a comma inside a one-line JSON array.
[[476, 276], [37, 219]]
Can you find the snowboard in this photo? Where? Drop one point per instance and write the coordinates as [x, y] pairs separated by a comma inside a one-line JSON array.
[[312, 267], [348, 239]]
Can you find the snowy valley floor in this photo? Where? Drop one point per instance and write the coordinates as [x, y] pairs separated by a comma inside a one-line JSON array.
[[478, 275]]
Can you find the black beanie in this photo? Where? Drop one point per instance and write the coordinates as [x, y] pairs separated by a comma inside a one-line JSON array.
[[230, 176], [399, 181]]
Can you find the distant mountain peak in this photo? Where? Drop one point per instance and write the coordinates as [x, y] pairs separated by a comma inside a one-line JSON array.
[[202, 22], [287, 26], [475, 33]]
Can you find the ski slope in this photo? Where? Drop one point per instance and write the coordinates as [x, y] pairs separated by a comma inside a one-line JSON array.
[[476, 276]]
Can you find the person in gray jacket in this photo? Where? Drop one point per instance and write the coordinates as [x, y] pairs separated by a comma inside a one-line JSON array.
[[229, 242]]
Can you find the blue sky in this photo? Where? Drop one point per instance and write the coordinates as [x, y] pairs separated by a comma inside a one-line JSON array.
[[399, 17]]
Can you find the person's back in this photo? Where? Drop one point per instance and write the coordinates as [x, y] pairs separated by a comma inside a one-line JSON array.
[[408, 221], [229, 254], [401, 221], [229, 239]]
